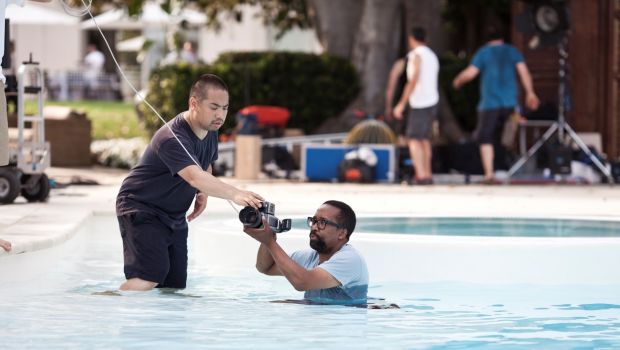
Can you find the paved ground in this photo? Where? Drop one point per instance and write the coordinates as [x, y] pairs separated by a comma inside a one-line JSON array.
[[34, 226]]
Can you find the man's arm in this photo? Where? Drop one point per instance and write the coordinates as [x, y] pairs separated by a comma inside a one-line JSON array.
[[531, 100], [201, 201], [466, 75], [208, 184], [299, 277], [404, 98], [265, 263], [395, 72]]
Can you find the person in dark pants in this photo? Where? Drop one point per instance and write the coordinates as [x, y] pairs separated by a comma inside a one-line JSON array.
[[496, 62], [156, 195]]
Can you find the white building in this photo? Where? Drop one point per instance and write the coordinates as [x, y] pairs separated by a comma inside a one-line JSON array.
[[252, 35], [52, 36], [58, 40]]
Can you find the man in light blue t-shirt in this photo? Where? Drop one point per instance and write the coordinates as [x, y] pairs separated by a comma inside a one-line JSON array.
[[332, 271], [496, 62]]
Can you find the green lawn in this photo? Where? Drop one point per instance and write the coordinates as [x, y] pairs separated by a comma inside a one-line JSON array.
[[110, 119]]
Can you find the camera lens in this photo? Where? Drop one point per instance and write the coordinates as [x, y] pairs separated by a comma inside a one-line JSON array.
[[250, 217]]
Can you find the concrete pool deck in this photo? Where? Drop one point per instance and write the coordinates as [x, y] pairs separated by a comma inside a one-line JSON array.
[[35, 226]]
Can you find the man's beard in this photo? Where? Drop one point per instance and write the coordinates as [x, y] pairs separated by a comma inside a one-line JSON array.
[[318, 244]]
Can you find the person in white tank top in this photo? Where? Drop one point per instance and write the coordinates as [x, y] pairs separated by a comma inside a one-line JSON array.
[[422, 95], [425, 93]]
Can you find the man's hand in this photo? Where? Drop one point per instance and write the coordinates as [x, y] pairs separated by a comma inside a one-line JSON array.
[[456, 83], [532, 102], [466, 75], [263, 234], [248, 198], [6, 245], [199, 206], [398, 111]]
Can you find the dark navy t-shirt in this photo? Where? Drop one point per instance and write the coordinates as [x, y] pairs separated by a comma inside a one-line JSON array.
[[153, 186]]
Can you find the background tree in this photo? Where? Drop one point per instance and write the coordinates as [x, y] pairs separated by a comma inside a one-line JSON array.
[[371, 34]]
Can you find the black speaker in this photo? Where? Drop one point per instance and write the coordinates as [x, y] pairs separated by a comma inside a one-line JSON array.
[[615, 170], [560, 157]]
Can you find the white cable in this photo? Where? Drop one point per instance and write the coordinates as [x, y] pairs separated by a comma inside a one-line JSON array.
[[75, 12], [69, 10]]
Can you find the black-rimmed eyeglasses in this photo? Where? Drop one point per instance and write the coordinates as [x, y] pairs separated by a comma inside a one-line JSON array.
[[321, 223]]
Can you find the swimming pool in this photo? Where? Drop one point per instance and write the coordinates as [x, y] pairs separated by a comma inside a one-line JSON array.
[[488, 226], [47, 299]]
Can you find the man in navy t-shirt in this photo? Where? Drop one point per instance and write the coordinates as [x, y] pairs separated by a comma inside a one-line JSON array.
[[496, 63], [154, 198], [332, 272]]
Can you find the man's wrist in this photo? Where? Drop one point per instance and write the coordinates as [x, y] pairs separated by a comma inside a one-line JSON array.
[[271, 242]]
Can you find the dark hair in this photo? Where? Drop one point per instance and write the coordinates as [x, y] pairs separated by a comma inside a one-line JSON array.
[[494, 32], [419, 34], [346, 218], [205, 82]]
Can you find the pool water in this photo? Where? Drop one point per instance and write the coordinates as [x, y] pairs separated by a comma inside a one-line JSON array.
[[54, 307], [489, 227]]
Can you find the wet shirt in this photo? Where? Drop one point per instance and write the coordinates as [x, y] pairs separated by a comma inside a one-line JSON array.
[[347, 266], [498, 81], [154, 186]]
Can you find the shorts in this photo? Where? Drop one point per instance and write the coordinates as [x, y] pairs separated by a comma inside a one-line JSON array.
[[420, 122], [491, 124], [153, 251]]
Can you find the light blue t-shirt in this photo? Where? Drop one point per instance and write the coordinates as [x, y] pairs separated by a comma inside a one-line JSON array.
[[498, 81], [347, 266]]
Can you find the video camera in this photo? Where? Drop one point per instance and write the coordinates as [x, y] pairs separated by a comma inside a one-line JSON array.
[[252, 217]]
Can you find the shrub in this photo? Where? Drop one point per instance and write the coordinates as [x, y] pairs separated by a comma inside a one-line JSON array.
[[168, 94], [312, 87]]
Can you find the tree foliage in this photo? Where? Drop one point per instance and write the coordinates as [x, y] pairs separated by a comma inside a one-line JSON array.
[[368, 33], [133, 6], [283, 14]]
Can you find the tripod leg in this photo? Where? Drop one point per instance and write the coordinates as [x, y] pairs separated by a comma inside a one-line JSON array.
[[573, 135], [513, 169]]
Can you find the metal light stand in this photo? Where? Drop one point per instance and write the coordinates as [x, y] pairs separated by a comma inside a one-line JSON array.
[[561, 125]]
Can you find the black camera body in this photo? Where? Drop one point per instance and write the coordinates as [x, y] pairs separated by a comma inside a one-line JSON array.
[[252, 217]]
